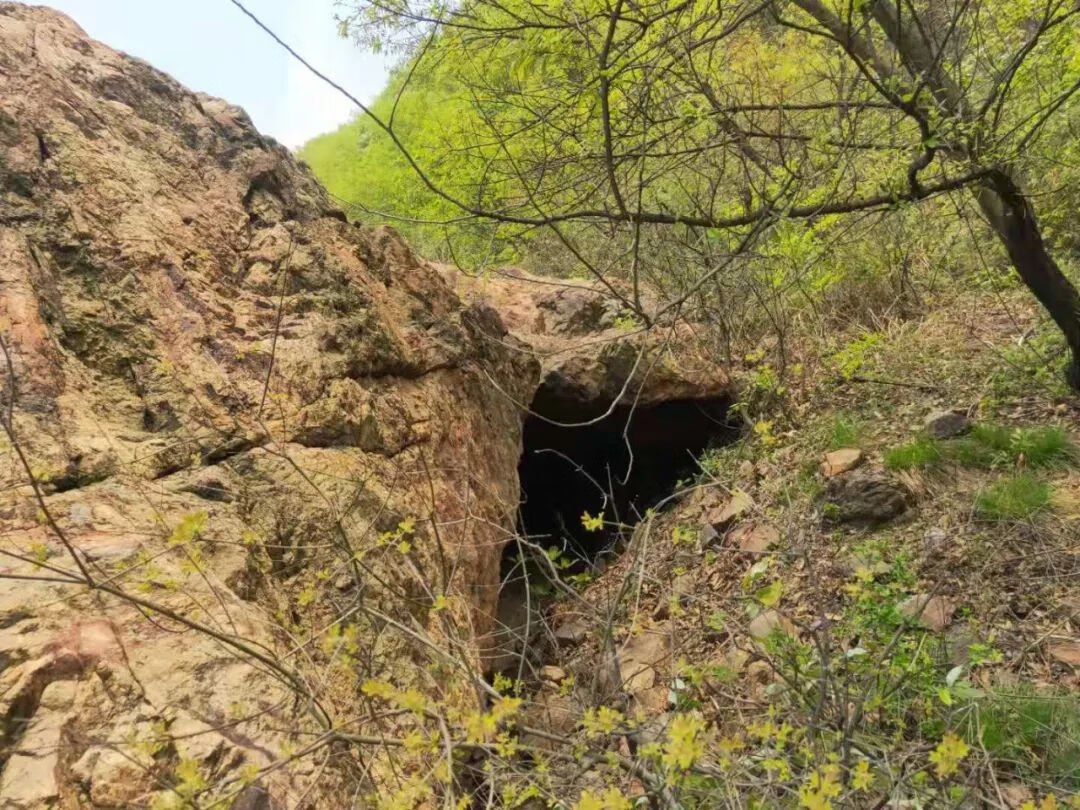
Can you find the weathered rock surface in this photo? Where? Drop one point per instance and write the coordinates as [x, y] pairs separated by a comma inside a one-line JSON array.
[[864, 495], [227, 394], [947, 424], [591, 350]]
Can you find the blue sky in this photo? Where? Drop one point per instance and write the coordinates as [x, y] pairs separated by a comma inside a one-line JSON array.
[[209, 45]]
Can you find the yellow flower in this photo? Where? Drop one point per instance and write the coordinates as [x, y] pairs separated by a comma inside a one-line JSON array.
[[861, 778], [479, 727], [505, 707], [729, 746], [602, 721], [610, 799], [380, 689], [820, 788], [592, 524], [412, 700], [685, 741], [777, 766], [947, 756]]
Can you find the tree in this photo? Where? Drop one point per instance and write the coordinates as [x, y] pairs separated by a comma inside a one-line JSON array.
[[695, 128]]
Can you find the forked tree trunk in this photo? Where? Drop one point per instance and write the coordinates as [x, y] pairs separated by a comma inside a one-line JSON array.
[[1014, 220]]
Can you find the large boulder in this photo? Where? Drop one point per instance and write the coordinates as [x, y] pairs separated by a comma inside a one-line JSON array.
[[259, 436]]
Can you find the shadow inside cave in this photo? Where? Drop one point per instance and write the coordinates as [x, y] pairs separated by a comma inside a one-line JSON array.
[[619, 465]]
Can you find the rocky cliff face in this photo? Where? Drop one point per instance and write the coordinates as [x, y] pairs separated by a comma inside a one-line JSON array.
[[592, 352], [253, 456], [230, 398]]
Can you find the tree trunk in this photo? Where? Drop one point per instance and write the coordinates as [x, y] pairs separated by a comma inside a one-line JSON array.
[[1012, 217]]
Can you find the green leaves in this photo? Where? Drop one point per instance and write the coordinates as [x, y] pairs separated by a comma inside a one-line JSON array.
[[591, 523], [769, 596], [188, 529]]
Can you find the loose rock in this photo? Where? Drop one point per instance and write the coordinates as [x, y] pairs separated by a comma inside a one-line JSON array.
[[934, 612], [756, 538], [736, 506], [767, 622], [552, 674], [947, 424], [864, 496], [1067, 651], [570, 631], [841, 461]]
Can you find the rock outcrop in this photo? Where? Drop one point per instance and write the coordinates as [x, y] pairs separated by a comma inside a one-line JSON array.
[[591, 348], [246, 419], [255, 458]]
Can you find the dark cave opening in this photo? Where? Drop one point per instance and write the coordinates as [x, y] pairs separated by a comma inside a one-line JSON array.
[[568, 471], [620, 465]]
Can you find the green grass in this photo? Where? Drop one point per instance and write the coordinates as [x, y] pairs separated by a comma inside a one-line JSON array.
[[988, 447], [970, 452], [1014, 498], [920, 453], [991, 446], [845, 432], [1037, 734]]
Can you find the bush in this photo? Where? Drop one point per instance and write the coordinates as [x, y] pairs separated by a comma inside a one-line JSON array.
[[1015, 498]]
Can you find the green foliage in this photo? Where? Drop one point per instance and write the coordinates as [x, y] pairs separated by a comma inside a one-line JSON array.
[[684, 535], [1033, 367], [849, 359], [1014, 498], [189, 528], [504, 112], [987, 447], [1037, 446], [974, 453], [370, 177], [921, 453], [722, 463]]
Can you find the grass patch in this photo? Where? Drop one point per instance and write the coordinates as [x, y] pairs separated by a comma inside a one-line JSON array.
[[1014, 498], [988, 447], [845, 432], [991, 446], [920, 453], [972, 453], [1038, 734]]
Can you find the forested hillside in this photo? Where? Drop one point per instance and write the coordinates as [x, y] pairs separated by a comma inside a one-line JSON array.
[[369, 176], [753, 163]]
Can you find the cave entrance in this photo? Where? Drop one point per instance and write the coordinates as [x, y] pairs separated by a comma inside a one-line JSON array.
[[620, 465], [568, 471]]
